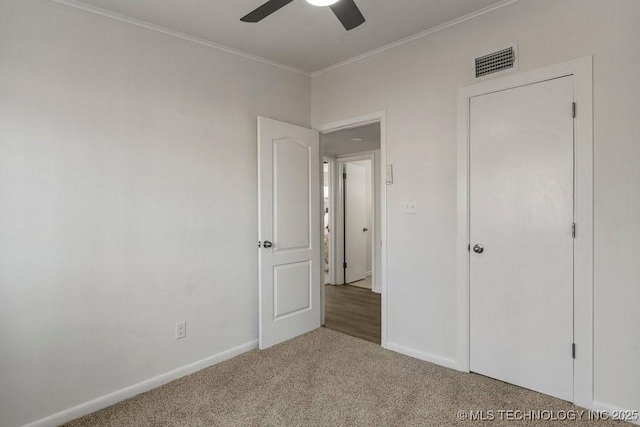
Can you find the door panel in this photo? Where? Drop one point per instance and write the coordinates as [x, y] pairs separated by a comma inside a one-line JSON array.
[[356, 221], [289, 297], [289, 219], [291, 210], [521, 211]]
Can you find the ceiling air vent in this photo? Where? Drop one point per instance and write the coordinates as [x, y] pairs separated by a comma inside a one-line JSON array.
[[495, 62]]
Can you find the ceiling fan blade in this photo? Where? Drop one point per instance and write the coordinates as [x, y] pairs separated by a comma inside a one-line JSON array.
[[265, 10], [348, 13]]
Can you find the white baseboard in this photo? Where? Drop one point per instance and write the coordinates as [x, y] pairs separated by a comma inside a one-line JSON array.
[[141, 387], [162, 379], [449, 363], [427, 357]]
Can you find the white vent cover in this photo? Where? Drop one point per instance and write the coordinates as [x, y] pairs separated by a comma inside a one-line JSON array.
[[495, 62]]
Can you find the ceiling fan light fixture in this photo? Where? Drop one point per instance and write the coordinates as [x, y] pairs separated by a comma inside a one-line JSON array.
[[346, 11], [321, 3]]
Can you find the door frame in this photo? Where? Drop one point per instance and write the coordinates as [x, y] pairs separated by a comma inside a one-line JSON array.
[[340, 225], [331, 161], [582, 71], [354, 122]]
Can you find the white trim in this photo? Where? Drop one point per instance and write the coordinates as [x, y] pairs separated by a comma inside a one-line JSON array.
[[381, 117], [331, 161], [419, 35], [141, 387], [153, 27], [321, 227], [361, 154], [427, 357], [355, 122], [334, 219], [581, 70]]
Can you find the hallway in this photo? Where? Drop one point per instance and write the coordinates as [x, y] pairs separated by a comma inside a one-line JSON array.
[[353, 311]]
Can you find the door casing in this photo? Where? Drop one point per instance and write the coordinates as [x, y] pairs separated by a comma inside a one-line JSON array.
[[581, 70], [331, 161]]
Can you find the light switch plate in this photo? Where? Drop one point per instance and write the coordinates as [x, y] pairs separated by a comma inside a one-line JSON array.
[[410, 207]]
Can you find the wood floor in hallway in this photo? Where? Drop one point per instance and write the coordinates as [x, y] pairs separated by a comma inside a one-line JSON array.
[[353, 311]]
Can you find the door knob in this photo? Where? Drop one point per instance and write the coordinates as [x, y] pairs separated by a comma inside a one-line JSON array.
[[478, 249], [267, 244]]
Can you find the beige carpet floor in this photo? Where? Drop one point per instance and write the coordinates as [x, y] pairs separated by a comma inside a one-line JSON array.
[[325, 378]]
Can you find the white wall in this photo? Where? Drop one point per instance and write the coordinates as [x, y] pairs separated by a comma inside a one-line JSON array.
[[416, 83], [117, 217], [128, 202]]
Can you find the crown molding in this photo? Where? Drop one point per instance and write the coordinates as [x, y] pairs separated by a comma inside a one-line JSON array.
[[419, 35], [153, 27]]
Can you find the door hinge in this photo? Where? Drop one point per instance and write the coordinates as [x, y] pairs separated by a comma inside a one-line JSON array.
[[574, 108], [344, 265], [344, 175], [259, 244], [573, 230], [573, 350]]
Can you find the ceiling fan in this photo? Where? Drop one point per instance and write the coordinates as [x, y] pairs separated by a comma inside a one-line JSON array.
[[346, 11]]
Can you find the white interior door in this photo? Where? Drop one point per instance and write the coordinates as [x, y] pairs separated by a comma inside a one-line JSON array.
[[521, 213], [355, 222], [289, 231]]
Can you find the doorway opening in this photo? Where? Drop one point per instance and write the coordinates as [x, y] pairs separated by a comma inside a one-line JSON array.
[[357, 222], [352, 228]]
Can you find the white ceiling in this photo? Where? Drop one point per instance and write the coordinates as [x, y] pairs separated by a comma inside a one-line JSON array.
[[339, 143], [299, 35]]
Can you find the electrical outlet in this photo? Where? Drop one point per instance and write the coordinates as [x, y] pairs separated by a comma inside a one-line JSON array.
[[181, 329], [410, 207]]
